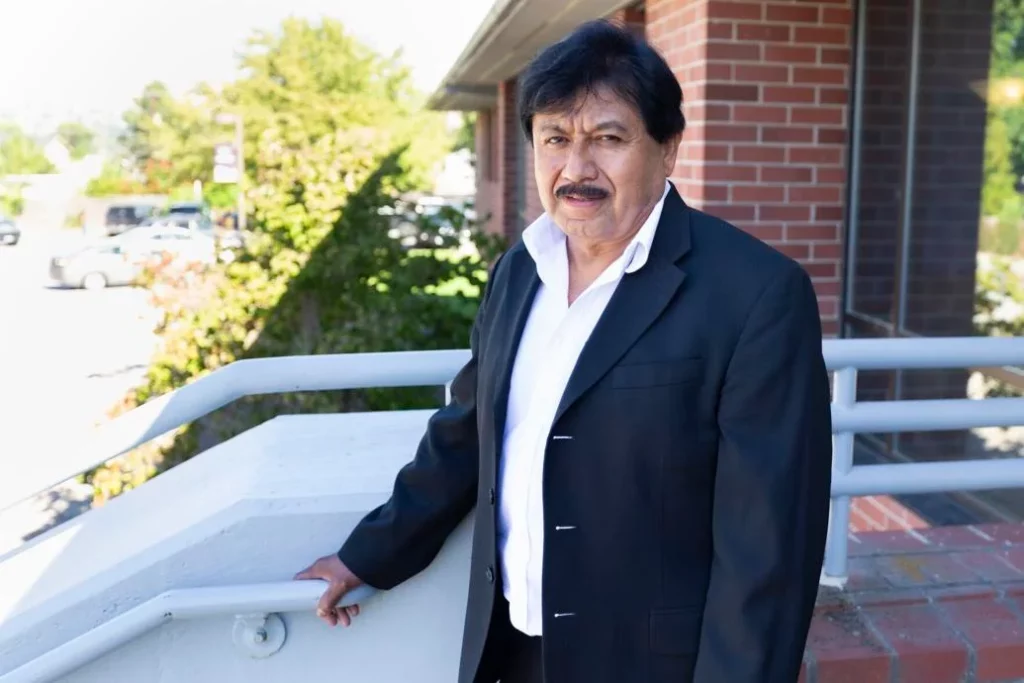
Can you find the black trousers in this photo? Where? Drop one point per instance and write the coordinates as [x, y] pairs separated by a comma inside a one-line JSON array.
[[510, 656]]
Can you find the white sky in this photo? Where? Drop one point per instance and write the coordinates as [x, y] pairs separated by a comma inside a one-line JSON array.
[[91, 57]]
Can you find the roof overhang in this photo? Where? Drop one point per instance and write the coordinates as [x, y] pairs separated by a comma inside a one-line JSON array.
[[511, 34]]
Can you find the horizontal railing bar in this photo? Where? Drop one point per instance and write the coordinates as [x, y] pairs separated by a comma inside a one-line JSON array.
[[243, 378], [930, 477], [422, 368], [922, 353], [870, 417], [189, 603]]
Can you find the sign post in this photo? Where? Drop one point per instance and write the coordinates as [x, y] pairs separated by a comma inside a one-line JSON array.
[[229, 163]]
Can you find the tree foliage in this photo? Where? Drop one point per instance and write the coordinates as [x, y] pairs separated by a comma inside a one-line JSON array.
[[334, 138], [999, 296], [169, 140], [20, 154], [79, 140]]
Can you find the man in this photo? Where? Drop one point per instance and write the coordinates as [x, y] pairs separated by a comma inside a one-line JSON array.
[[644, 424]]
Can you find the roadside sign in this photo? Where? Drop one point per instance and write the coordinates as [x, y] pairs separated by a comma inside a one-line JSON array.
[[225, 164]]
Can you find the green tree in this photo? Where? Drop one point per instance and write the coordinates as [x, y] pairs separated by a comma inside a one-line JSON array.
[[115, 179], [465, 137], [335, 135], [169, 140], [1006, 71], [77, 138], [20, 154], [999, 181]]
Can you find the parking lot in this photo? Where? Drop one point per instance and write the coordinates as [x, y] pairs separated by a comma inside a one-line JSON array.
[[66, 356]]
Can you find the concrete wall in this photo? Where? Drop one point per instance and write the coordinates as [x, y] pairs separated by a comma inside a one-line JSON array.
[[255, 509]]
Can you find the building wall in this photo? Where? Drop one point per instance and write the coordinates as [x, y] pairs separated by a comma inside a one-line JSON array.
[[488, 188], [766, 89], [634, 18]]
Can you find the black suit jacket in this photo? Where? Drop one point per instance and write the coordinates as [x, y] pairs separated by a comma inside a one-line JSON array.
[[695, 475]]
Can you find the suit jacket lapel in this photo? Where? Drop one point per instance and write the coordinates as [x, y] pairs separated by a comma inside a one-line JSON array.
[[517, 301], [636, 304]]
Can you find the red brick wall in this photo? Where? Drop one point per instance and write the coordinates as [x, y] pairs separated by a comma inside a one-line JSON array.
[[510, 146], [533, 208], [766, 88], [634, 18], [488, 191]]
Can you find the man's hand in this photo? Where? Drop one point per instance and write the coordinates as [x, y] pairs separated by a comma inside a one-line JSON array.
[[340, 581]]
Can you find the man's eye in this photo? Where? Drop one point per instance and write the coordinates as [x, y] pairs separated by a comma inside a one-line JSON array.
[[610, 138], [555, 140]]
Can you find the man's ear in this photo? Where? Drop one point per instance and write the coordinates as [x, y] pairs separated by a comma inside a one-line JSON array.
[[670, 152]]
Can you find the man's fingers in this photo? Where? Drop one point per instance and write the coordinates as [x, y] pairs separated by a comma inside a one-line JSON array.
[[330, 597], [347, 614], [310, 572], [305, 575]]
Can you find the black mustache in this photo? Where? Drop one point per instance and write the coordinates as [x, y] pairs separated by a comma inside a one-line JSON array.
[[582, 191]]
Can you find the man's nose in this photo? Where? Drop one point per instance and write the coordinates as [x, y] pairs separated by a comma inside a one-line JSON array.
[[579, 164]]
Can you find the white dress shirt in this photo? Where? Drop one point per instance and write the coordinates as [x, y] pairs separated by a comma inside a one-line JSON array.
[[550, 346]]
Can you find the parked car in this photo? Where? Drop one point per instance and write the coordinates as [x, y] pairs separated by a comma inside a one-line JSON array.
[[188, 207], [121, 217], [228, 238], [121, 260], [428, 223], [10, 233], [95, 267]]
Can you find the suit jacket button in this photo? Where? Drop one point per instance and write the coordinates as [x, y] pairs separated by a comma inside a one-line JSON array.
[[490, 575], [490, 495]]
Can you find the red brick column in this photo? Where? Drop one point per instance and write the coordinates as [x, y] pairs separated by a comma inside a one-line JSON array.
[[510, 145], [533, 208], [488, 192], [634, 18], [766, 89]]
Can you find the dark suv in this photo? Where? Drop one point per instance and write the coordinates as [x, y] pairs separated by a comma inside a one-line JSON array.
[[121, 217]]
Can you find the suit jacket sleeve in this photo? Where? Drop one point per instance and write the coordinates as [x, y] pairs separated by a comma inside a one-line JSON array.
[[772, 490], [432, 494]]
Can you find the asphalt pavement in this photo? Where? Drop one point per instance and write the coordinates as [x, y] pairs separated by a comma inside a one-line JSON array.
[[66, 356]]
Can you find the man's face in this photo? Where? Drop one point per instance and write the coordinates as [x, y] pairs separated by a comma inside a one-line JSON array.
[[599, 172]]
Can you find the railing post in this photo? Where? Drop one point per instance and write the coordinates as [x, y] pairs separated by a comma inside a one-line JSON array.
[[844, 393]]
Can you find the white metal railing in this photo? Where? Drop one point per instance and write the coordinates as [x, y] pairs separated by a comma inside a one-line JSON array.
[[845, 358], [434, 368], [317, 373], [256, 628], [203, 396]]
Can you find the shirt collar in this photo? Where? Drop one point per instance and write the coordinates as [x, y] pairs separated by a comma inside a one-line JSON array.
[[545, 242]]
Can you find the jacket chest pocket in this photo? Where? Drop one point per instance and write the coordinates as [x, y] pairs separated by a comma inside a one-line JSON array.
[[657, 374]]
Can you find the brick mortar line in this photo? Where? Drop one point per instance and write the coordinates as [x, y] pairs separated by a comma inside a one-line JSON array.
[[972, 654], [735, 21], [894, 659]]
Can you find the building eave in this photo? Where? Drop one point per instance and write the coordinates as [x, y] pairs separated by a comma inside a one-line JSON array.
[[508, 38]]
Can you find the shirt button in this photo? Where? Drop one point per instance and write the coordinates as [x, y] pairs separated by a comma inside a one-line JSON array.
[[490, 495], [490, 575]]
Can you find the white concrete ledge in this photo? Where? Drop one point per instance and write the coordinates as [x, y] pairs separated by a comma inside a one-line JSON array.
[[251, 511]]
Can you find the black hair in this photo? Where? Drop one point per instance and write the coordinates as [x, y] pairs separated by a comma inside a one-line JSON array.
[[602, 54]]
